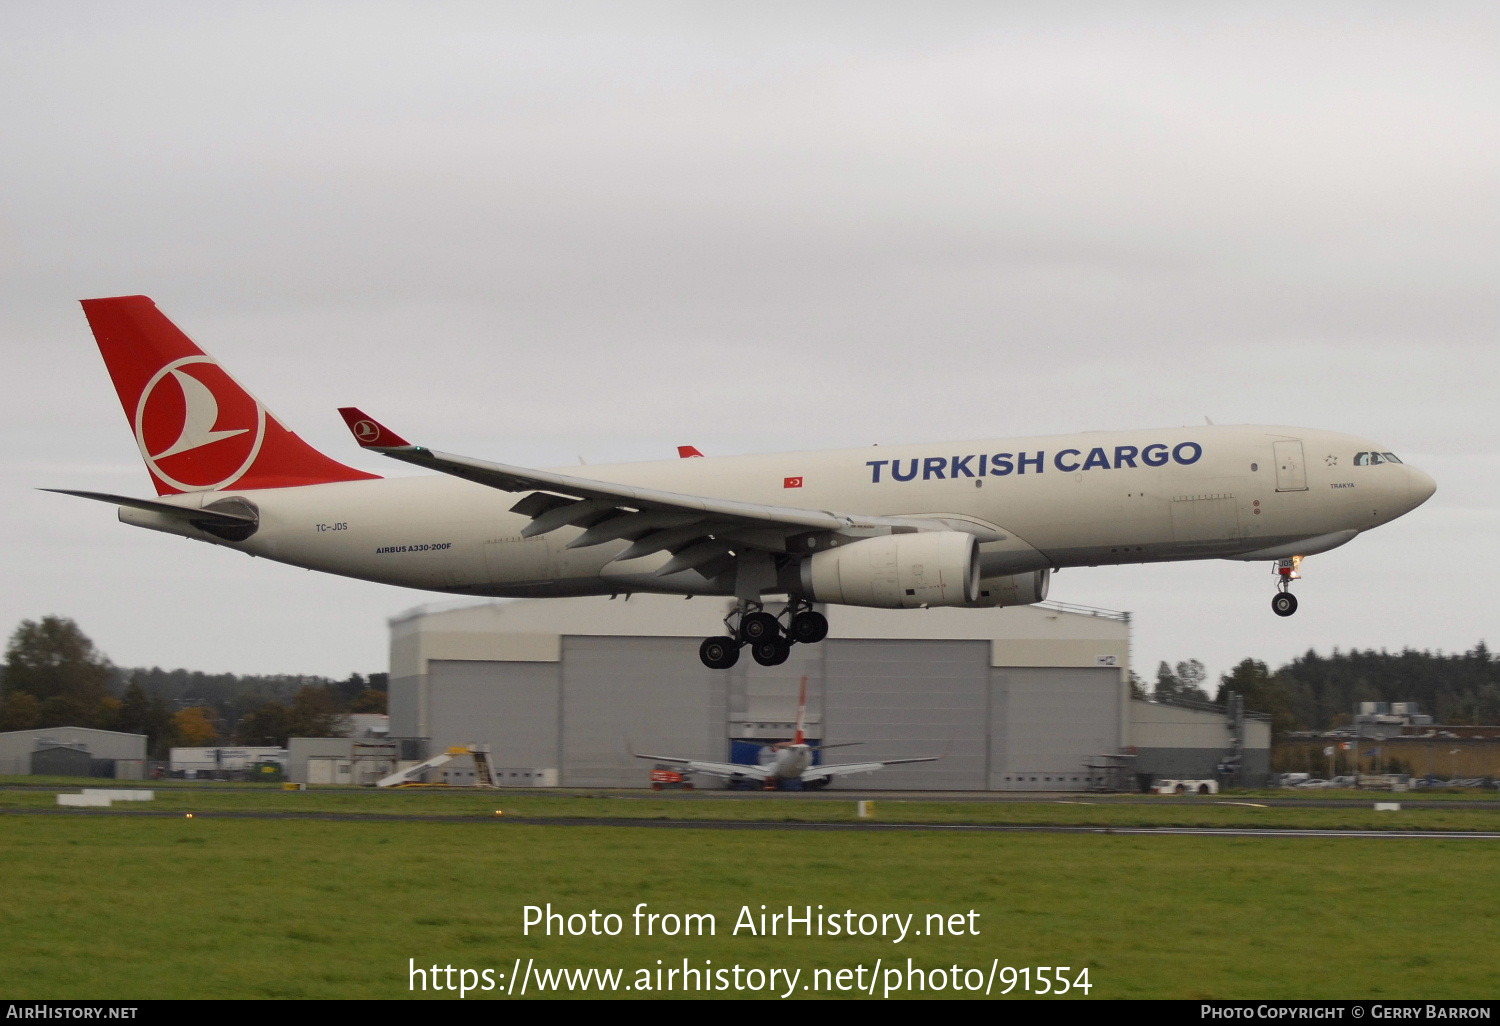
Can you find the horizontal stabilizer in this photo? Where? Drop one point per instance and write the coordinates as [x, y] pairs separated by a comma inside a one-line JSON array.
[[233, 518], [214, 516]]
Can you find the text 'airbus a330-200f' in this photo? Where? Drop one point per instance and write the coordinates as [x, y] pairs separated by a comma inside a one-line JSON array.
[[975, 524]]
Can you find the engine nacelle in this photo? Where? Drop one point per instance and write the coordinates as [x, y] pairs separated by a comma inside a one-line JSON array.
[[1013, 589], [896, 571]]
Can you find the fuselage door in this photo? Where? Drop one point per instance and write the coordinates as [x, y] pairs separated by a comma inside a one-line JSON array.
[[1291, 473]]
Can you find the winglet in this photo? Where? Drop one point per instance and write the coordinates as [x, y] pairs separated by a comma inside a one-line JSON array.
[[369, 432]]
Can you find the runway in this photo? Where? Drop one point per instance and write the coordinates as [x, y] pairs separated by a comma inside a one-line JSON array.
[[1407, 800], [783, 825]]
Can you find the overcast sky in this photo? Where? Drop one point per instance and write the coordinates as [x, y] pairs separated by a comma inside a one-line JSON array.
[[535, 232]]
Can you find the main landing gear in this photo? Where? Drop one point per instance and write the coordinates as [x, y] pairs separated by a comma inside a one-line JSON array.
[[770, 642], [1284, 603]]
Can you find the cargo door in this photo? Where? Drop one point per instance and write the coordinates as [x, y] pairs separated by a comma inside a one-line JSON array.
[[1291, 473], [511, 559], [1209, 517]]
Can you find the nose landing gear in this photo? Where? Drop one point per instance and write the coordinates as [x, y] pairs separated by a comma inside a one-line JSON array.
[[1284, 603]]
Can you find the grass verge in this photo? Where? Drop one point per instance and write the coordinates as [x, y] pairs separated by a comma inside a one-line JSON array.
[[131, 906]]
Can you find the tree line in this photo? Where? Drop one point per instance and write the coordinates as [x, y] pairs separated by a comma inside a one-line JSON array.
[[54, 676], [1317, 692]]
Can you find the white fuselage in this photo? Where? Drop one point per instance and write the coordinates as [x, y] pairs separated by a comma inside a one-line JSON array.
[[1036, 503], [787, 761]]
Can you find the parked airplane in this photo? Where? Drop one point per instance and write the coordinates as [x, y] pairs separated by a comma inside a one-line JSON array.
[[980, 523], [785, 765]]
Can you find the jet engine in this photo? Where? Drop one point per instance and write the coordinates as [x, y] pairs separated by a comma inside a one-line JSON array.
[[896, 571], [1013, 589]]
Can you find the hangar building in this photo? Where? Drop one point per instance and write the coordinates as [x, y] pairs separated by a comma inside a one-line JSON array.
[[565, 690], [73, 752]]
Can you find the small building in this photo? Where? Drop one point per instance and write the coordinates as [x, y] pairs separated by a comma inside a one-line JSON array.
[[367, 725], [1389, 719], [1197, 741], [1396, 737], [109, 753], [353, 761], [320, 760]]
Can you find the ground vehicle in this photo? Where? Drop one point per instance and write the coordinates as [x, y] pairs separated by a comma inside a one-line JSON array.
[[1186, 786], [669, 778]]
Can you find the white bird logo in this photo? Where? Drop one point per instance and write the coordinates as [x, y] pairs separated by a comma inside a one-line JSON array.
[[200, 415], [199, 418]]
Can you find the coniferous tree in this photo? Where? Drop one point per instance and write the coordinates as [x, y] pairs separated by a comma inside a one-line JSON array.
[[54, 662]]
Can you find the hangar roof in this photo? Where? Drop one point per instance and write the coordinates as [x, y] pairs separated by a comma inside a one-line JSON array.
[[102, 744], [673, 616], [530, 629]]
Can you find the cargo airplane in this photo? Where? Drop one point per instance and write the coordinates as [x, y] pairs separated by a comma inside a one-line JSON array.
[[785, 765], [973, 524]]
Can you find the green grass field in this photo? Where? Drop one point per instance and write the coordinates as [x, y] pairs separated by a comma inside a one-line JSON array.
[[136, 906]]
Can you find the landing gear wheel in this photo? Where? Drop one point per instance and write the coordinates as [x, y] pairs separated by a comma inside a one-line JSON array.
[[809, 627], [719, 653], [771, 652], [757, 627], [1284, 604]]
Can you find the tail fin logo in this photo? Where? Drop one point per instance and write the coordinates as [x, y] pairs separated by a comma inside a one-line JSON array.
[[197, 429]]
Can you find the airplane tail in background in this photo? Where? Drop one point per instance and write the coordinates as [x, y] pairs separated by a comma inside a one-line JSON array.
[[197, 428], [801, 738]]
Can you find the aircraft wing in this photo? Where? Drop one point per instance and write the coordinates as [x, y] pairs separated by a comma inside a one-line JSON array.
[[829, 772], [701, 532], [727, 770]]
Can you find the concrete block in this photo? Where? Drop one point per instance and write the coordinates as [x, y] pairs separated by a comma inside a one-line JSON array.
[[123, 794]]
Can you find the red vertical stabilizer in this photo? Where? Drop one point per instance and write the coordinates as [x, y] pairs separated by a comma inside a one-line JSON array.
[[198, 430]]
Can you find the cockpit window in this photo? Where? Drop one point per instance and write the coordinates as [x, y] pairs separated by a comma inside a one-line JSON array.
[[1370, 459], [1390, 457]]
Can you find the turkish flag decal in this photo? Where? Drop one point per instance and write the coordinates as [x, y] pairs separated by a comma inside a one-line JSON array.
[[791, 482]]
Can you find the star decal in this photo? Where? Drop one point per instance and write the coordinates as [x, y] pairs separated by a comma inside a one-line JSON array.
[[1332, 461]]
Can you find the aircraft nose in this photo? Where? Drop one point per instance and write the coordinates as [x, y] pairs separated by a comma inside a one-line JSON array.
[[1420, 485]]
